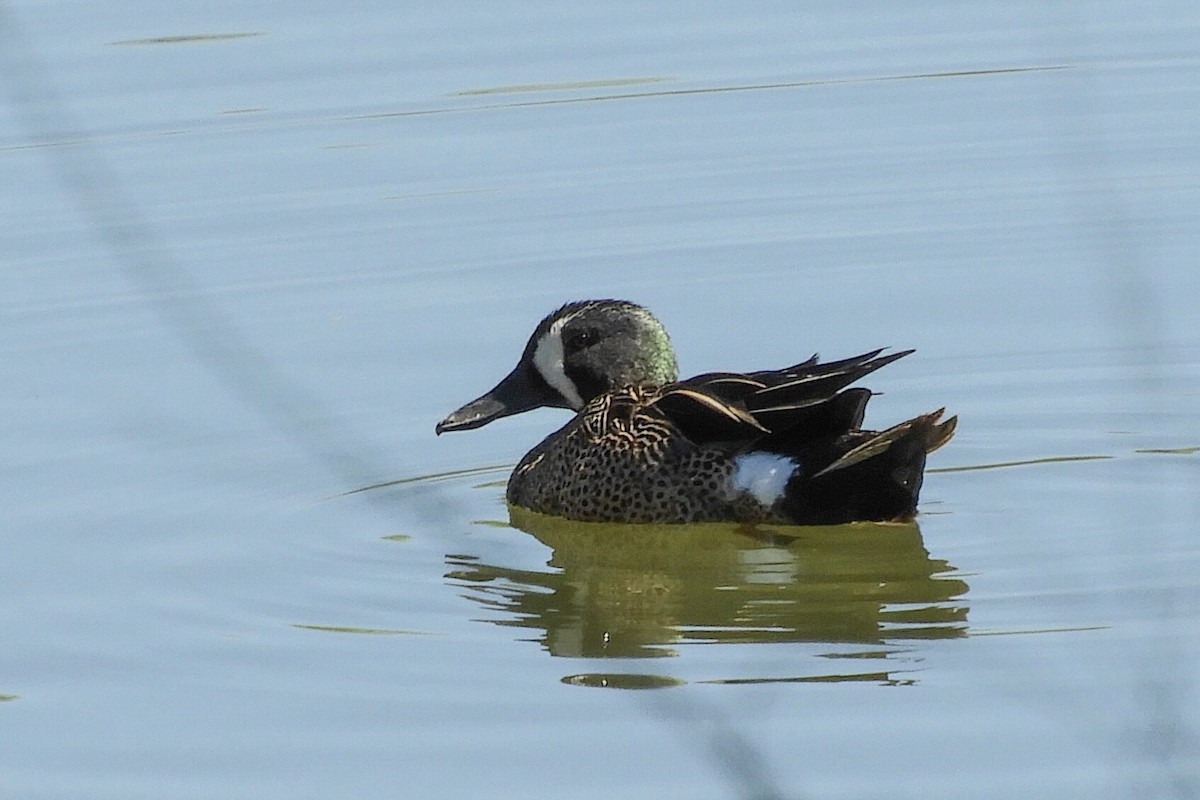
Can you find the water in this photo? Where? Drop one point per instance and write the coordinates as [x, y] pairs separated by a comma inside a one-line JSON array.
[[248, 273]]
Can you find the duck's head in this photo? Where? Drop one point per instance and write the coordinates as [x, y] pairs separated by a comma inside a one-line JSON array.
[[577, 353]]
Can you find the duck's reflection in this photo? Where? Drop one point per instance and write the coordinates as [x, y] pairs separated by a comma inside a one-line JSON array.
[[622, 591]]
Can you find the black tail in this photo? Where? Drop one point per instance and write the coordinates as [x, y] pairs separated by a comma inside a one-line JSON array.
[[866, 475]]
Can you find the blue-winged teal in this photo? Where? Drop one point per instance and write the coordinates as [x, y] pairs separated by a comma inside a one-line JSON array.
[[780, 446]]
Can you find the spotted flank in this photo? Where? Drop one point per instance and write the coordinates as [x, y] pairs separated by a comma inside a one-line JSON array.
[[785, 446]]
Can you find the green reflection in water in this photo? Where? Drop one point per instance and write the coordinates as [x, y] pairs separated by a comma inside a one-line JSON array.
[[638, 590]]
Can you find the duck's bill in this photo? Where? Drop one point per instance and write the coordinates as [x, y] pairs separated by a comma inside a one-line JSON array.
[[520, 391]]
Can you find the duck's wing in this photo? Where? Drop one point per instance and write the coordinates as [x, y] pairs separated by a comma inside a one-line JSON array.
[[812, 366], [794, 428], [732, 387], [779, 410], [706, 418], [926, 433], [808, 379], [796, 396], [798, 387]]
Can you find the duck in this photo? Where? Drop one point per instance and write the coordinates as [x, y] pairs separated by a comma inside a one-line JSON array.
[[781, 446]]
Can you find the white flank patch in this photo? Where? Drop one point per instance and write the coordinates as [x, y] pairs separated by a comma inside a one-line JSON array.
[[764, 475], [548, 358]]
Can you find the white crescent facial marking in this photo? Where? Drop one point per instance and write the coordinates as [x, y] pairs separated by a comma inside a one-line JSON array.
[[764, 475], [548, 359]]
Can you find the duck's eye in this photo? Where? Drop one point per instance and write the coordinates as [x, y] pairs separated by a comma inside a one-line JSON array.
[[579, 339]]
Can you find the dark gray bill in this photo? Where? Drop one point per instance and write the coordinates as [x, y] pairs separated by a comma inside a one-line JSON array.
[[521, 391]]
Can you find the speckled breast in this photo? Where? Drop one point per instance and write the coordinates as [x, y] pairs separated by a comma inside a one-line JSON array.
[[619, 460]]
